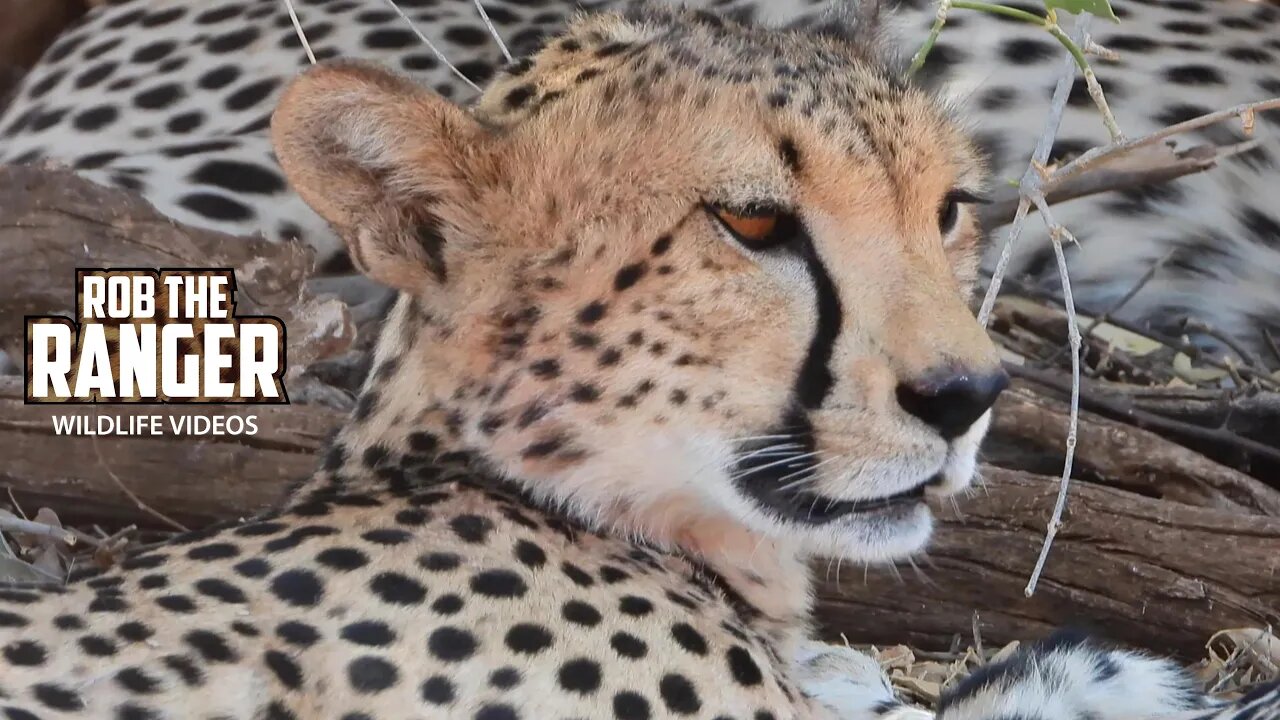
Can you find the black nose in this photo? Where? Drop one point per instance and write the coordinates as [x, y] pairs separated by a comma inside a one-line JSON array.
[[950, 401]]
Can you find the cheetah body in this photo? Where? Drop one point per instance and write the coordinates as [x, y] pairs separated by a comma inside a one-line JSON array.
[[452, 601], [591, 461]]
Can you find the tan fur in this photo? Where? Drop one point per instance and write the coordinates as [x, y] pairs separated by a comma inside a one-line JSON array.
[[577, 335]]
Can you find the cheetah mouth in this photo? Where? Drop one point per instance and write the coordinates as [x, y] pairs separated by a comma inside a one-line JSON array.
[[773, 473], [809, 508]]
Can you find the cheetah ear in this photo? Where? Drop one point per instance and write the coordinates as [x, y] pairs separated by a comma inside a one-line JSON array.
[[383, 160]]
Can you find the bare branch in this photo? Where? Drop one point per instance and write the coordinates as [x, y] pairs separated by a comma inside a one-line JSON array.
[[1056, 235], [1116, 169], [1244, 111], [1031, 179]]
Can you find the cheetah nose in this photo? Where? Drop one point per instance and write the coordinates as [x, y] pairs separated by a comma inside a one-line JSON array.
[[949, 401]]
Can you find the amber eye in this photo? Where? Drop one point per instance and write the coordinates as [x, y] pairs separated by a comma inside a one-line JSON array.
[[757, 229]]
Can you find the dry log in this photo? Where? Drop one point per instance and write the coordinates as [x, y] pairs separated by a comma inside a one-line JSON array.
[[1148, 572], [194, 480], [52, 222], [1123, 456]]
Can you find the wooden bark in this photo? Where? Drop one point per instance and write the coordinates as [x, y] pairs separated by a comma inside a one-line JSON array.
[[1148, 572], [194, 480], [1034, 426], [52, 222]]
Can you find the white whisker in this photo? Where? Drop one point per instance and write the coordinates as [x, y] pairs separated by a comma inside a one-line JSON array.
[[789, 458], [770, 450], [921, 574], [297, 27], [493, 31], [761, 437], [809, 469], [430, 45], [897, 574], [814, 506]]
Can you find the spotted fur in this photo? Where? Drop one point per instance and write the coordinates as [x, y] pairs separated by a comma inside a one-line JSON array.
[[603, 433]]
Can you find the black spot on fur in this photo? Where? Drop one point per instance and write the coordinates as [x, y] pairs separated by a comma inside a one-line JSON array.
[[397, 589], [219, 77], [288, 672], [389, 38], [451, 644], [152, 52], [210, 646], [629, 275], [744, 669], [518, 96], [159, 97], [238, 176], [580, 675], [232, 41], [216, 207], [300, 588], [679, 695], [1026, 51], [95, 118], [370, 674], [251, 94], [1194, 75]]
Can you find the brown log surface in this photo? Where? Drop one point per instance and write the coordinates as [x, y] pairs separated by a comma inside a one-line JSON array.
[[1125, 456], [195, 480], [53, 222], [1152, 573]]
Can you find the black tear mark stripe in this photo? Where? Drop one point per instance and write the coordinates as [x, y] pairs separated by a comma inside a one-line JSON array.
[[815, 380]]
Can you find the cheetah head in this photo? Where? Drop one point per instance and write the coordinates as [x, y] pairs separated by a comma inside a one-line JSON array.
[[671, 271]]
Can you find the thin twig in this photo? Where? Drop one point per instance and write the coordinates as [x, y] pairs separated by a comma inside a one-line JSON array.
[[129, 493], [21, 513], [1031, 179], [297, 27], [1056, 235], [1119, 170], [1118, 304], [1092, 157], [939, 20], [431, 46], [493, 31]]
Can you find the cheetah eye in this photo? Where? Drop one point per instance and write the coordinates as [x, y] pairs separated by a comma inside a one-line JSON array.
[[755, 227], [949, 212]]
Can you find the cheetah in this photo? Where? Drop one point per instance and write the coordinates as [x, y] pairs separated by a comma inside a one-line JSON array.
[[172, 98], [681, 302]]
